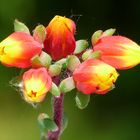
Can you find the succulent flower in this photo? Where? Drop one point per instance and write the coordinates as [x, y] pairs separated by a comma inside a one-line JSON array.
[[60, 40], [18, 49], [36, 84], [94, 76], [118, 51]]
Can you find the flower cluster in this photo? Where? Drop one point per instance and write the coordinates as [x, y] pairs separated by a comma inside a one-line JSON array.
[[57, 63]]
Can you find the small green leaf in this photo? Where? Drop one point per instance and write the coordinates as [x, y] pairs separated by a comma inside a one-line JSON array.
[[55, 90], [81, 45], [50, 124], [41, 118], [39, 33], [82, 100], [20, 27], [67, 85], [64, 122], [46, 123]]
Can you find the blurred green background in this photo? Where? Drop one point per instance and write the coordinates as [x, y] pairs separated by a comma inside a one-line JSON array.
[[114, 116]]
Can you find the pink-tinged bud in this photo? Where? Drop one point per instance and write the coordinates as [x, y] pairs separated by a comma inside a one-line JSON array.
[[95, 76], [118, 51], [18, 49], [36, 84], [60, 40]]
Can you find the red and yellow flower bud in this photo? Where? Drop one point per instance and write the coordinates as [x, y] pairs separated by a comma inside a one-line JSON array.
[[18, 49], [94, 76], [36, 84], [60, 40], [118, 51]]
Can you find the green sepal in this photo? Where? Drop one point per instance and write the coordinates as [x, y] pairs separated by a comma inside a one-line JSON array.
[[62, 62], [55, 90], [67, 85], [108, 32], [43, 60], [20, 27], [91, 54], [72, 62], [82, 100], [39, 33], [81, 45], [35, 61], [95, 55], [55, 69], [96, 36], [99, 34], [87, 54]]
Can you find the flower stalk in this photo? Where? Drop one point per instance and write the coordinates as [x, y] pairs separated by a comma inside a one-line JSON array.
[[57, 113]]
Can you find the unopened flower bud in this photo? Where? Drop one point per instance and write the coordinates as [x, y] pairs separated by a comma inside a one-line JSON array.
[[60, 41], [94, 76], [18, 49], [118, 51]]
